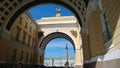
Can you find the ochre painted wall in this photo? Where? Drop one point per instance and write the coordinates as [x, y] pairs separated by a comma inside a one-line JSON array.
[[86, 46], [97, 46], [6, 51], [113, 13]]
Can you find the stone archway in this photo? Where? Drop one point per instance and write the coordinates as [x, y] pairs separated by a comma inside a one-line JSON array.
[[77, 50], [51, 36], [22, 5], [12, 12]]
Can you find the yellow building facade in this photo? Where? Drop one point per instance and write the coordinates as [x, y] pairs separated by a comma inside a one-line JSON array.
[[19, 46]]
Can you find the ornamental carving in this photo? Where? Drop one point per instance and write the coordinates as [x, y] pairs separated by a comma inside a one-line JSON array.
[[74, 33]]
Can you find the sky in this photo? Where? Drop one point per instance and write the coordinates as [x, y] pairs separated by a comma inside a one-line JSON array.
[[56, 47], [48, 10]]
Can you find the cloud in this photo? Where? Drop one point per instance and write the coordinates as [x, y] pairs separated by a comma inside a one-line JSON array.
[[56, 48]]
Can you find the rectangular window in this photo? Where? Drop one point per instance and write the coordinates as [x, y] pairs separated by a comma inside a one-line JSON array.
[[33, 32], [14, 55], [33, 42], [30, 29], [27, 58], [31, 58], [18, 30], [27, 18], [26, 25], [29, 40], [24, 36], [21, 56], [106, 28]]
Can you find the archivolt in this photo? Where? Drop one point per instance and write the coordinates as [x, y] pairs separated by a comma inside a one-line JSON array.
[[53, 36], [38, 2]]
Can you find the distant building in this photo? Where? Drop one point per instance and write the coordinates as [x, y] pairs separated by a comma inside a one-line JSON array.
[[58, 62]]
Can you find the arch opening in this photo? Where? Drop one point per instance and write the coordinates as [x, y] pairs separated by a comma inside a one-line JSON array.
[[55, 53]]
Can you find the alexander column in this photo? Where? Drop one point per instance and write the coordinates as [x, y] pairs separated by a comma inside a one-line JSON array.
[[67, 63]]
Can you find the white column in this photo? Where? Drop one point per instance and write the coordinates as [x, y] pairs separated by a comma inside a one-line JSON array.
[[79, 57]]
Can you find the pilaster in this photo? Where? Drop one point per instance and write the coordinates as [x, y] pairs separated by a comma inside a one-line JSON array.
[[39, 56]]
